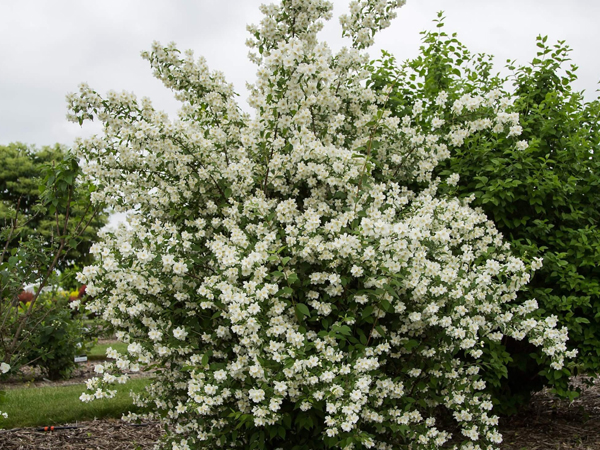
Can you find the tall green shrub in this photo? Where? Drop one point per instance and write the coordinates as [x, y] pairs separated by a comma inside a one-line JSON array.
[[544, 196]]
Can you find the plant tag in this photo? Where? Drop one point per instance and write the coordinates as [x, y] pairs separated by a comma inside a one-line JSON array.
[[79, 359]]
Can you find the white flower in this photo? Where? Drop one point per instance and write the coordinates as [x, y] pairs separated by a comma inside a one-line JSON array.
[[436, 122], [179, 268], [516, 130], [4, 368], [331, 432], [442, 98], [180, 333], [74, 304], [356, 271], [154, 334], [522, 145], [256, 395], [305, 406], [220, 375], [86, 398], [144, 256], [134, 348], [453, 179], [168, 260]]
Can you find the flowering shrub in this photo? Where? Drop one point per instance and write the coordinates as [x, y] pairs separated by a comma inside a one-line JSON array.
[[287, 286], [541, 193]]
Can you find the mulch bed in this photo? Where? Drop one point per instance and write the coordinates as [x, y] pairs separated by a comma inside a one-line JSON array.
[[553, 424], [547, 424], [107, 434]]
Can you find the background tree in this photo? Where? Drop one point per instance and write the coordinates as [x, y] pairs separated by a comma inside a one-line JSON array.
[[21, 169], [542, 195]]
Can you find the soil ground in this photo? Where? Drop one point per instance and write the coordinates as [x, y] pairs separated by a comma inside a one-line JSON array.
[[552, 424]]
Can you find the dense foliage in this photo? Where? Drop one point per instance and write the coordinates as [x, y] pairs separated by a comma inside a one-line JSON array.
[[21, 172], [542, 195], [57, 338], [288, 287]]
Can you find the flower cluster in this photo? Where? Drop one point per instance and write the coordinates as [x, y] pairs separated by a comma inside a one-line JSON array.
[[278, 271]]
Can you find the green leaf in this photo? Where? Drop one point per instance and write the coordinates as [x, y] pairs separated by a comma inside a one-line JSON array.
[[367, 311], [303, 309]]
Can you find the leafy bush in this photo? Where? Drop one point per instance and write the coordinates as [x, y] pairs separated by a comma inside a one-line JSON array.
[[289, 289], [56, 338], [542, 194]]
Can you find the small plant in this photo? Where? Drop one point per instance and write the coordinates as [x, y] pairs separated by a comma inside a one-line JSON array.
[[4, 369], [57, 338]]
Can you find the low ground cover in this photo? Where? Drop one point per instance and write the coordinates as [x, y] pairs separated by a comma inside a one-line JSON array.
[[54, 405]]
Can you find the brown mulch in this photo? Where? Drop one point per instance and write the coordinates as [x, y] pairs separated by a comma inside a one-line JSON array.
[[553, 424], [107, 434]]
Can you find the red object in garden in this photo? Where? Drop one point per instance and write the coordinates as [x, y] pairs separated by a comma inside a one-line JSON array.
[[56, 428], [26, 296], [82, 289]]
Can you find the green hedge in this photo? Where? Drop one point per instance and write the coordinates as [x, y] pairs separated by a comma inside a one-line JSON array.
[[544, 198]]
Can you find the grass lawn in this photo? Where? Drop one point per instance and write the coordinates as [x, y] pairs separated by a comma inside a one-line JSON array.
[[98, 351], [45, 406]]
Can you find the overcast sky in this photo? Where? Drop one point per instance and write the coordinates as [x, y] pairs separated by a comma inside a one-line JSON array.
[[48, 47]]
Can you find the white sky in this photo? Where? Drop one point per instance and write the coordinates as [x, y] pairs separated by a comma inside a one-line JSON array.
[[48, 47]]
